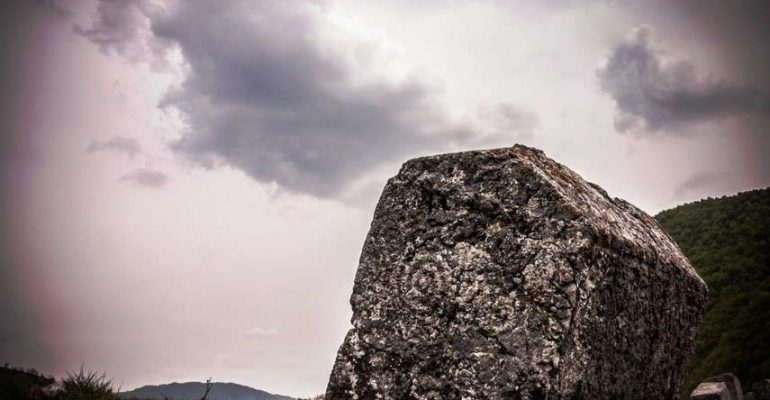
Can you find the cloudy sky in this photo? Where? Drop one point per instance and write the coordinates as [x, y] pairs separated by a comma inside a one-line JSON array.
[[186, 184]]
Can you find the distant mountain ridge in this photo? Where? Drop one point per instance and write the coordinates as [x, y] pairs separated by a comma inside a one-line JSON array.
[[194, 391]]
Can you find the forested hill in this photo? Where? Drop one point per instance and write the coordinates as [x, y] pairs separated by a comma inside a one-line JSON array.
[[728, 242]]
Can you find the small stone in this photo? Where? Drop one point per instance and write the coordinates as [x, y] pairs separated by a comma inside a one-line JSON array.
[[732, 382], [711, 391]]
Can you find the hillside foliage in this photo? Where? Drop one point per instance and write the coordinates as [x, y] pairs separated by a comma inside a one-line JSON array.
[[727, 240]]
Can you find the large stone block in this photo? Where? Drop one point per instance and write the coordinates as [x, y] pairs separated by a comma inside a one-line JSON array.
[[501, 274]]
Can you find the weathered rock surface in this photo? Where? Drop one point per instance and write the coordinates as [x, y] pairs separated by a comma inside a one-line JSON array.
[[501, 274], [711, 391], [731, 381]]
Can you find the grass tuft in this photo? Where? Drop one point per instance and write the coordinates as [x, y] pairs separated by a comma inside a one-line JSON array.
[[89, 385]]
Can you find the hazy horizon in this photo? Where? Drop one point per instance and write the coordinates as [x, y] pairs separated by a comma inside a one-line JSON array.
[[187, 185]]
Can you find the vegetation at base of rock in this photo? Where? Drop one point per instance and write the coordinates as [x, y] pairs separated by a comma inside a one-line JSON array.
[[727, 240], [24, 384], [84, 385], [29, 384], [21, 383]]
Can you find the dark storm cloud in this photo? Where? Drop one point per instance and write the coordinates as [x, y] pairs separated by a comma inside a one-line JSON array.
[[265, 94], [656, 91], [146, 177], [736, 32], [706, 182], [121, 26], [55, 6], [118, 144]]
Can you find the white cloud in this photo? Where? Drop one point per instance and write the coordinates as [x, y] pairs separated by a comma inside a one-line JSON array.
[[259, 331]]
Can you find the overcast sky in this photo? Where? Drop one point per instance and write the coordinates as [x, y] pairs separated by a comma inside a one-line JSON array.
[[186, 185]]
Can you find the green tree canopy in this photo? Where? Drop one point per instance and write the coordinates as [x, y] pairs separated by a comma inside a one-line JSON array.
[[727, 240]]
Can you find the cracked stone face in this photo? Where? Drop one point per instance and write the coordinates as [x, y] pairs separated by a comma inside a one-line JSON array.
[[501, 274]]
